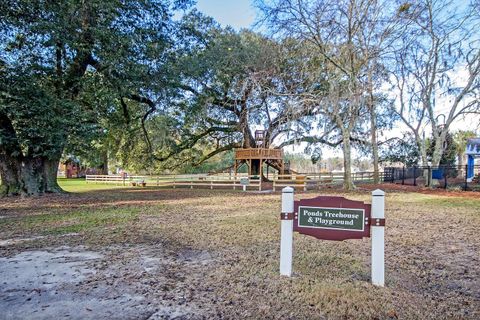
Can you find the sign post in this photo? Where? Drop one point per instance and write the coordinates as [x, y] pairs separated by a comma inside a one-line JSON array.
[[286, 241], [334, 218], [378, 237]]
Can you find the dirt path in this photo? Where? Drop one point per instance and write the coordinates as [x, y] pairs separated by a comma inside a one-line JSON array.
[[122, 282]]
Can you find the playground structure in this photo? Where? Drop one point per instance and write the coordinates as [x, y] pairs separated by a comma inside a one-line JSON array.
[[472, 152], [255, 158]]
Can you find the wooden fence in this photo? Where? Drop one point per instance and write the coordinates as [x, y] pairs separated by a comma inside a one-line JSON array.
[[179, 181], [300, 181], [312, 181]]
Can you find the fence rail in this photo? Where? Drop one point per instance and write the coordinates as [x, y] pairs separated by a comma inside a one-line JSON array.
[[300, 181], [447, 177], [176, 181], [454, 177]]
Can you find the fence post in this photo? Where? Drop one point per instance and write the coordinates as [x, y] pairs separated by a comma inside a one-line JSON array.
[[378, 238], [414, 176], [174, 178], [286, 240], [466, 178], [445, 177], [403, 175]]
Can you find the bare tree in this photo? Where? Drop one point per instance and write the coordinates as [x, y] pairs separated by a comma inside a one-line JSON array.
[[349, 38], [436, 69]]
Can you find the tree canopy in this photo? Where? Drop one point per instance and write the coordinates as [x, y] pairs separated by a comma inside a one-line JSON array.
[[157, 86]]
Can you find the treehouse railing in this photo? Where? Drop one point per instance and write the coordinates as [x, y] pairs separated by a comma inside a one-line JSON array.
[[258, 153]]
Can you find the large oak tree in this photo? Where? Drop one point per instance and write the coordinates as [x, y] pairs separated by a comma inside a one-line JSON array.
[[55, 59]]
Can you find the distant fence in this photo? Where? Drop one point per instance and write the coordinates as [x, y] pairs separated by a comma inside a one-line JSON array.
[[300, 181], [447, 177]]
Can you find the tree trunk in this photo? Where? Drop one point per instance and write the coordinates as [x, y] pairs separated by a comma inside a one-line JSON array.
[[373, 133], [9, 170], [50, 170], [373, 128], [461, 167], [248, 139], [438, 150], [28, 176], [437, 156], [347, 162], [105, 162], [460, 161], [422, 149], [423, 155], [256, 170]]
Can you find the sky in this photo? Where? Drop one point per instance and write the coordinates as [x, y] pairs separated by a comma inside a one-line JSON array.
[[236, 13]]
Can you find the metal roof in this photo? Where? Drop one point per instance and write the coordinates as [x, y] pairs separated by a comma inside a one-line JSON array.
[[473, 146]]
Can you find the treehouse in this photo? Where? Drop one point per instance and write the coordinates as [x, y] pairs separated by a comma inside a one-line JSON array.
[[256, 157]]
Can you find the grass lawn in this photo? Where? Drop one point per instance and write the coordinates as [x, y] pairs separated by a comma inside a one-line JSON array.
[[79, 185], [214, 254]]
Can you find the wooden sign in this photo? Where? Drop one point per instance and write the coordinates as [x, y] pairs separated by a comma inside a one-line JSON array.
[[332, 218], [244, 181]]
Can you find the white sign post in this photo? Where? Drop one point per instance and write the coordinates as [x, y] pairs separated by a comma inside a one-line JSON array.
[[376, 221], [286, 241], [378, 237]]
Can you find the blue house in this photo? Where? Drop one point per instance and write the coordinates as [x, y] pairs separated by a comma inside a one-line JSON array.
[[472, 152]]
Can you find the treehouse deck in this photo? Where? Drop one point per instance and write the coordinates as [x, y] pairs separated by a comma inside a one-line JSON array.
[[256, 157]]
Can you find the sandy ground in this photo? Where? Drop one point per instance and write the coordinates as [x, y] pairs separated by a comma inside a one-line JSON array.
[[76, 283]]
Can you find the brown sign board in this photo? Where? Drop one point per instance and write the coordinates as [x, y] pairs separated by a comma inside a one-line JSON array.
[[332, 218]]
